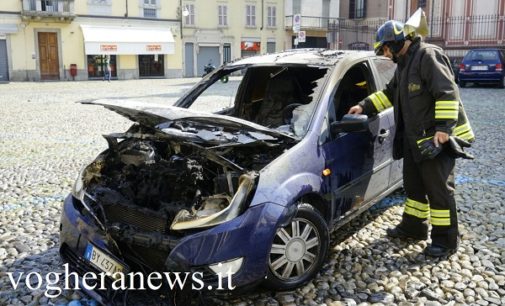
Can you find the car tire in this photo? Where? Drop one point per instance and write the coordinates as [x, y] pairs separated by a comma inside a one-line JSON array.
[[502, 83], [298, 250], [462, 84]]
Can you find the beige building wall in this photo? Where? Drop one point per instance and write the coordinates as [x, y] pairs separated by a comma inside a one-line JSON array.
[[21, 37], [206, 33]]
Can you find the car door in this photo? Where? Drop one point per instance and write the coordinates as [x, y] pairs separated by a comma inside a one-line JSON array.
[[357, 162], [384, 70]]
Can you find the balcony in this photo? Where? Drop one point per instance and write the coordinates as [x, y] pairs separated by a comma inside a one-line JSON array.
[[48, 10], [309, 23]]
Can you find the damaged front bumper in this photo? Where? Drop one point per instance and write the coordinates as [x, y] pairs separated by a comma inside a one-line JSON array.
[[247, 236]]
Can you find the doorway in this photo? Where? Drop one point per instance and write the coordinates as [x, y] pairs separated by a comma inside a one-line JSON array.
[[151, 66], [48, 56], [4, 66]]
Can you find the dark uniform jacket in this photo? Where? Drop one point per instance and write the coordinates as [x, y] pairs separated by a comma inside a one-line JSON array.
[[425, 97]]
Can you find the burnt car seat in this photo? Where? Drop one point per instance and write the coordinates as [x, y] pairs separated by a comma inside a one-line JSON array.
[[281, 91]]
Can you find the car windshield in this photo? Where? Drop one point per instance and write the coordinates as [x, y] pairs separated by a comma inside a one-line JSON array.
[[280, 97], [489, 55]]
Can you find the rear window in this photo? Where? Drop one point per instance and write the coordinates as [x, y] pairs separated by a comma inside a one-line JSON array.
[[482, 56]]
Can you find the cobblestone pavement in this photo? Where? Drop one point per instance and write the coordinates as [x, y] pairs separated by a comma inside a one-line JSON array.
[[45, 138]]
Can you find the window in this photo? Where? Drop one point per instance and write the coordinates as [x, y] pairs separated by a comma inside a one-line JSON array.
[[100, 7], [97, 65], [250, 15], [226, 53], [271, 16], [150, 9], [190, 19], [386, 69], [357, 9], [49, 6], [223, 15], [297, 7], [149, 13]]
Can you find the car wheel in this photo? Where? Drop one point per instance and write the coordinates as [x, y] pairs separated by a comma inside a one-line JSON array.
[[462, 84], [298, 250], [502, 83]]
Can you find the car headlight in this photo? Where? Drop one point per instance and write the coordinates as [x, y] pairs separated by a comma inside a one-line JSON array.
[[78, 188], [185, 220], [86, 174]]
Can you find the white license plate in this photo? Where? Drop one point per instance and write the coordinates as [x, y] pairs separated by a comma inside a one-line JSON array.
[[103, 261], [479, 68]]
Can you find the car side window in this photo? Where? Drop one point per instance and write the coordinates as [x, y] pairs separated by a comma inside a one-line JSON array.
[[386, 70], [356, 85]]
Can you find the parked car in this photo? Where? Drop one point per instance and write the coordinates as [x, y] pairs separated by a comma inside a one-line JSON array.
[[483, 66], [253, 184]]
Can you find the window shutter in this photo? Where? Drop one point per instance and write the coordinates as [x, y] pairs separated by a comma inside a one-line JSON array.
[[364, 9]]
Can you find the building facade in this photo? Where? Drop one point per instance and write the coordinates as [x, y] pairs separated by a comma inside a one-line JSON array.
[[455, 25], [70, 39], [316, 17], [67, 39], [218, 31], [358, 23]]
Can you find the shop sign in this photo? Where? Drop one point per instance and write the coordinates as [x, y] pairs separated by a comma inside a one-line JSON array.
[[152, 48], [250, 46], [108, 48]]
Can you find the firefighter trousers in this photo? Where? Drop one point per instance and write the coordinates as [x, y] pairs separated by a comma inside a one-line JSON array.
[[429, 186]]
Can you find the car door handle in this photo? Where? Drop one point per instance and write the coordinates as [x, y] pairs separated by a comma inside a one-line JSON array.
[[383, 134]]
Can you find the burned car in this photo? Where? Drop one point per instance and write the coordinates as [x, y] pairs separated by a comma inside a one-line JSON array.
[[247, 176]]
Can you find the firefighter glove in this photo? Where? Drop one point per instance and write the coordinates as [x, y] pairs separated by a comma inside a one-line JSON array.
[[428, 149], [456, 146]]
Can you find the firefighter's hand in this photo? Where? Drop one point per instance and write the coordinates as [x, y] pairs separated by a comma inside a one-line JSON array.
[[440, 138], [356, 109]]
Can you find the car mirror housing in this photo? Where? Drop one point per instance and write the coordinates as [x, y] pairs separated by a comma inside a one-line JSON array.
[[350, 123]]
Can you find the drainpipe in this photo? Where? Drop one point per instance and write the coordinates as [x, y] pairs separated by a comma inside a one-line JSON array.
[[126, 13], [262, 12], [180, 24]]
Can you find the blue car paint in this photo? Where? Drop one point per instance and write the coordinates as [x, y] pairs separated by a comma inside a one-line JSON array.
[[490, 75], [296, 173], [234, 239]]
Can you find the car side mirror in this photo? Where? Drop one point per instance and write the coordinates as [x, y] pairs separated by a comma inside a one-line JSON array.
[[350, 123]]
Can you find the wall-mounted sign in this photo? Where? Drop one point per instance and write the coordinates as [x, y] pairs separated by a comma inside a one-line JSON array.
[[108, 48], [250, 46], [153, 48], [301, 36], [297, 23]]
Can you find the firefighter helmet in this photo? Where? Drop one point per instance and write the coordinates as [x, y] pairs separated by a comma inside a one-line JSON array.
[[390, 32]]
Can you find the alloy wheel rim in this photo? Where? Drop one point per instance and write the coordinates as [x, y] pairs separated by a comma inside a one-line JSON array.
[[295, 250]]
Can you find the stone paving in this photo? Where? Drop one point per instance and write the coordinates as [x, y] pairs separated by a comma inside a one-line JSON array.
[[45, 138]]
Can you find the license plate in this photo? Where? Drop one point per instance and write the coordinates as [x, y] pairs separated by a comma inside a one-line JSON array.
[[103, 261], [479, 68]]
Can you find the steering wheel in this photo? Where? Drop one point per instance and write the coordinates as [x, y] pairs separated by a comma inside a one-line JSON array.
[[287, 112]]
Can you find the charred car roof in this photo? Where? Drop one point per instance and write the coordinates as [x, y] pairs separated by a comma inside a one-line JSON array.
[[316, 57]]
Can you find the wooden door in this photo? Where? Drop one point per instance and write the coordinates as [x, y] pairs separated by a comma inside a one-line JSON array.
[[48, 55]]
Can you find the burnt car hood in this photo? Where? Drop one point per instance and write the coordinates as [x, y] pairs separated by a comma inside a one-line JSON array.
[[162, 117]]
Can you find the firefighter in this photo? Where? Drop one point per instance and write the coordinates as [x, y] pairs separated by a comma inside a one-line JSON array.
[[428, 112]]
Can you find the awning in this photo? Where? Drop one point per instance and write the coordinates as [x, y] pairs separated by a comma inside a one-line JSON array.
[[127, 40]]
